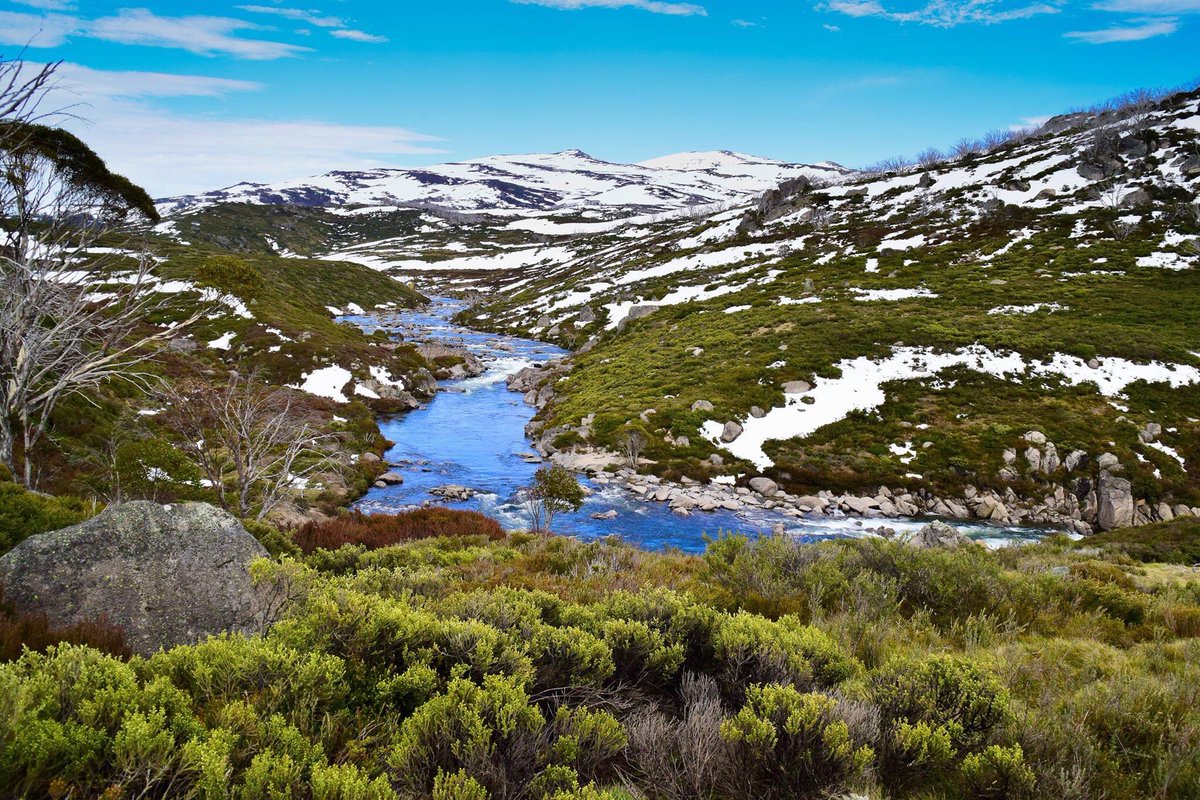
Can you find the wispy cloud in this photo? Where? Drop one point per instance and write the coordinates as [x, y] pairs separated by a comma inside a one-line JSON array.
[[1150, 6], [196, 34], [86, 82], [48, 5], [745, 23], [120, 115], [653, 6], [312, 17], [1133, 31], [358, 36], [36, 30], [199, 34], [943, 13]]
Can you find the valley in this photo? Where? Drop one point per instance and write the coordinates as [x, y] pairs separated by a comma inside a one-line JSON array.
[[978, 334]]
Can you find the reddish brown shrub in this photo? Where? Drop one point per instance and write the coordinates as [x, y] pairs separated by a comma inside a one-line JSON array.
[[381, 530], [36, 632]]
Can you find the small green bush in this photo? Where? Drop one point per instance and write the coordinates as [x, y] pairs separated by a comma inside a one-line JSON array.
[[791, 744], [24, 513]]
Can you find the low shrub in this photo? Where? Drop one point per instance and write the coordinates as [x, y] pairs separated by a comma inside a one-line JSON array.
[[374, 531], [1174, 542], [24, 513], [790, 744]]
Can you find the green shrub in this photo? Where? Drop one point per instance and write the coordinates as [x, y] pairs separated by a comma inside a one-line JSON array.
[[934, 711], [749, 649], [348, 782], [488, 731], [457, 786], [790, 744], [24, 514], [276, 542], [230, 275], [998, 772]]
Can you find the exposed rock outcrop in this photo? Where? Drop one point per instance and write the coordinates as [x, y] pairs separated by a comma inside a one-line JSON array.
[[167, 575]]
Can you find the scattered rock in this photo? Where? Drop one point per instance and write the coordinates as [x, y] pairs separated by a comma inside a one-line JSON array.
[[731, 432], [702, 405], [606, 515], [796, 387], [453, 491], [390, 478]]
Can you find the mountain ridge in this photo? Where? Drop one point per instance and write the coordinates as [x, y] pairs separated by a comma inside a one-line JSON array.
[[568, 180]]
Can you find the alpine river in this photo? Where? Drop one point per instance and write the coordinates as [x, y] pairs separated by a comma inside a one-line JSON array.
[[473, 434]]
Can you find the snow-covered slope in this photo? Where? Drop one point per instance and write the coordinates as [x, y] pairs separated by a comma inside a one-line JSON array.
[[570, 181]]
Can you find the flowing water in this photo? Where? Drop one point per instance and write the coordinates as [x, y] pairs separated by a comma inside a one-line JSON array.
[[472, 434]]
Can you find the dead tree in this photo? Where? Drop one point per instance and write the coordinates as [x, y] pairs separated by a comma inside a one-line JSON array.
[[72, 315], [255, 444]]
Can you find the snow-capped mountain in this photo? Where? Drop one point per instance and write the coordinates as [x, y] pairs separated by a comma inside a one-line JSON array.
[[570, 181]]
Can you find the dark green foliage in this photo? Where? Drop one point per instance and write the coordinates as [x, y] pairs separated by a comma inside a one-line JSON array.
[[230, 275], [1174, 542], [24, 513], [79, 166]]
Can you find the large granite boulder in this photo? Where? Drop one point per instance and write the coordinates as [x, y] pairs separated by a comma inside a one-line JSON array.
[[168, 575], [1116, 502]]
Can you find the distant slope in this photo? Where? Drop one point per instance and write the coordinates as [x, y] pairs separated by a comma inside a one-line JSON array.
[[567, 181], [905, 329]]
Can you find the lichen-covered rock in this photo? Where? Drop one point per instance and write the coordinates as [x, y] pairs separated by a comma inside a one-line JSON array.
[[168, 575]]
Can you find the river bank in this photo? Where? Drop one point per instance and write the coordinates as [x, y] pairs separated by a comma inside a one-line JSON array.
[[472, 435]]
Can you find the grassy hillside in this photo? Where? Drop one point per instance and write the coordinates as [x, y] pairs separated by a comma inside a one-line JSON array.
[[470, 667], [1053, 277], [264, 315]]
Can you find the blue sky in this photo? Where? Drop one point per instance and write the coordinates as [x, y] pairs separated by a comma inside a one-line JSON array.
[[183, 96]]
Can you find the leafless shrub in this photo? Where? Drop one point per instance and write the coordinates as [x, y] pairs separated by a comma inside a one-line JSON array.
[[930, 156], [254, 444], [1121, 228], [820, 217], [684, 758], [1111, 195], [632, 442]]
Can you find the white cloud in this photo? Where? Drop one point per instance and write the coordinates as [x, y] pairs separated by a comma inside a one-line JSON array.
[[196, 34], [745, 23], [139, 26], [87, 83], [358, 36], [1150, 6], [174, 154], [832, 28], [1028, 123], [943, 13], [48, 5], [119, 116], [36, 30], [1134, 31], [654, 6], [312, 17]]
